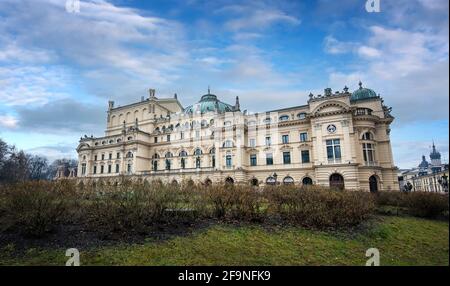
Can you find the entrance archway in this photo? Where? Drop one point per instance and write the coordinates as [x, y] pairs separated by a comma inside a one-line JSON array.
[[229, 181], [307, 181], [337, 181], [254, 182], [373, 184]]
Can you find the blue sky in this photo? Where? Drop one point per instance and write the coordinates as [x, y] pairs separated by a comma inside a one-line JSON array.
[[59, 69]]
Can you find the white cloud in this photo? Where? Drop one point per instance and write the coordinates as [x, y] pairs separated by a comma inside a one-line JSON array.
[[255, 16], [8, 121], [333, 46], [368, 52]]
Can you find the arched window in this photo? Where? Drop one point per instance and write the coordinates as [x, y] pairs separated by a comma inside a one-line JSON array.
[[129, 154], [212, 151], [157, 129], [271, 180], [288, 180], [198, 152], [155, 165], [284, 117], [103, 142], [119, 140], [156, 156], [111, 141], [227, 123], [168, 155], [367, 136], [228, 144], [204, 123], [254, 182], [307, 181], [130, 138], [183, 154]]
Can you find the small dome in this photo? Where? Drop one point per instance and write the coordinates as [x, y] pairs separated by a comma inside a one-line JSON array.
[[424, 164], [209, 103], [363, 93]]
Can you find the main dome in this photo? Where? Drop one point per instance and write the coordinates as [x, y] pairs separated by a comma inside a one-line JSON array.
[[209, 103], [363, 93]]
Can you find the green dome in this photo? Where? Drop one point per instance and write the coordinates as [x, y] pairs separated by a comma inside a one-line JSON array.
[[363, 93], [209, 103]]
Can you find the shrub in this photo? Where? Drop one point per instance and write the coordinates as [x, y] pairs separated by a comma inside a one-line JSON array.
[[320, 208], [428, 205], [35, 208], [420, 204]]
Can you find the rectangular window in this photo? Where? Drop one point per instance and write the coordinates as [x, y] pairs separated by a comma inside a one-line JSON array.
[[95, 169], [117, 168], [285, 139], [95, 158], [197, 134], [156, 139], [303, 137], [110, 156], [109, 168], [168, 138], [268, 141], [103, 156], [369, 153], [334, 150], [286, 157], [118, 155], [269, 159], [252, 143], [253, 160], [305, 156], [83, 169], [181, 135], [129, 168], [228, 161], [102, 169]]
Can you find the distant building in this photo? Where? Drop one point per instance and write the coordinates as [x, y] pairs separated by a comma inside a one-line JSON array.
[[427, 177], [65, 172], [338, 139]]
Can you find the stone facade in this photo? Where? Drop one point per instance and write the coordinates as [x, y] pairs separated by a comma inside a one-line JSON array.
[[339, 139]]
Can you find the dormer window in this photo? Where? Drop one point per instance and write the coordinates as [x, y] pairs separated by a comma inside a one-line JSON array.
[[284, 117], [130, 138], [301, 115]]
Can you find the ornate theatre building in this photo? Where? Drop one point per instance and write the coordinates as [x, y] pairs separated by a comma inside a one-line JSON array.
[[338, 139]]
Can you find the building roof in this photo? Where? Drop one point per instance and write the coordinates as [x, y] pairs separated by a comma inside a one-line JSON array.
[[363, 93], [209, 103]]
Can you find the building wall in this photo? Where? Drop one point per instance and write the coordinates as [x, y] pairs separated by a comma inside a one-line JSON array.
[[160, 118]]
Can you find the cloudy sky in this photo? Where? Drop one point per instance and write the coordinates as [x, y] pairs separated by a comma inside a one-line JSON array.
[[59, 69]]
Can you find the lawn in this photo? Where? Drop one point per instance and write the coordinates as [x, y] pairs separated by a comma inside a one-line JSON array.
[[400, 240]]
